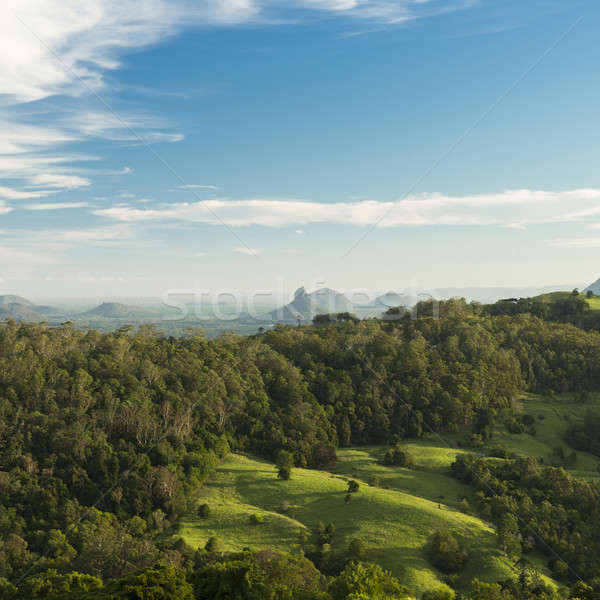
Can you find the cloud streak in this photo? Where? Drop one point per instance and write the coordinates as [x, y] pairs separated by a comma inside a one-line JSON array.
[[515, 208]]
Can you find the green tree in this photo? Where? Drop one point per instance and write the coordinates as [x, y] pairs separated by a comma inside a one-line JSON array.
[[360, 580]]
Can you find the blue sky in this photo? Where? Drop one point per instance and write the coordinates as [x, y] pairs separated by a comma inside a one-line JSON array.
[[249, 144]]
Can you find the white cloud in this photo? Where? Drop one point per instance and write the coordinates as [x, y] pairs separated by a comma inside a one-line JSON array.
[[12, 194], [576, 242], [55, 205], [510, 208], [4, 208], [247, 251], [197, 186], [55, 180]]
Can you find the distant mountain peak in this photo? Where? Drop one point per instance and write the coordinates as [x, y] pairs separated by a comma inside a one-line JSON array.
[[305, 306], [595, 287], [12, 299]]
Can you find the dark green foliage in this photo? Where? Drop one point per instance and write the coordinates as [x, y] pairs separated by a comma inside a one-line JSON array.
[[284, 462], [585, 436], [445, 553], [541, 508], [440, 593], [353, 487], [158, 583], [398, 457], [204, 511], [364, 581], [106, 438], [213, 545]]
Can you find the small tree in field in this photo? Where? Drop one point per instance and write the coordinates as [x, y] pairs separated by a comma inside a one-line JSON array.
[[284, 462], [204, 511], [213, 545], [353, 487]]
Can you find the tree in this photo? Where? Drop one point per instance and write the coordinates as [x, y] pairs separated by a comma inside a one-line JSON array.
[[353, 486], [445, 553], [442, 592], [356, 549], [284, 462], [204, 511], [52, 585], [398, 457], [213, 545], [358, 581], [508, 535], [156, 583]]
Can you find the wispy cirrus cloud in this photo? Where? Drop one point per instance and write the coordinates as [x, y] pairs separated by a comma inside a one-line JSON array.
[[515, 208], [12, 194], [55, 205], [247, 251]]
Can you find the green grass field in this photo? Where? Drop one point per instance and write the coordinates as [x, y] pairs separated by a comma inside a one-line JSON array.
[[429, 479], [393, 524], [594, 301], [557, 415], [396, 509]]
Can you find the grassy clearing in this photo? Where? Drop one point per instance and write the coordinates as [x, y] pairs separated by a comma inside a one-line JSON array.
[[553, 418], [429, 479], [593, 302], [394, 525]]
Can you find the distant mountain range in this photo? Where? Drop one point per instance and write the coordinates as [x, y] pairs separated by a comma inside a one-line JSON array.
[[303, 308]]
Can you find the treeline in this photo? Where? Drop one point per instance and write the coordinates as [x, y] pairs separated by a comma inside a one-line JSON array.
[[573, 309], [269, 575], [106, 438], [539, 508]]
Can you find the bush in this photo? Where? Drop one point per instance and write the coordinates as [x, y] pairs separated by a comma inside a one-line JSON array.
[[498, 452], [353, 487], [356, 549], [213, 545], [445, 553], [398, 457], [284, 473], [204, 511], [255, 519], [440, 593]]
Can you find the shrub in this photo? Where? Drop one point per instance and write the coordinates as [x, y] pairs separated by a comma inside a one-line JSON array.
[[255, 519], [445, 553], [440, 593], [213, 545], [398, 457], [204, 511], [353, 486]]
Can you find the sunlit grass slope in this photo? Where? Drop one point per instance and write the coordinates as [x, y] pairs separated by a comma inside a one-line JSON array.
[[394, 525], [554, 416]]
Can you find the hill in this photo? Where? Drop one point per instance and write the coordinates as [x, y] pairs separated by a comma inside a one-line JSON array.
[[594, 287], [593, 302], [393, 524], [12, 299], [306, 305], [19, 312], [115, 310]]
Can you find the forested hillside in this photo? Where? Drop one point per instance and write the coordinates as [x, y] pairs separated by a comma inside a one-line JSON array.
[[106, 438]]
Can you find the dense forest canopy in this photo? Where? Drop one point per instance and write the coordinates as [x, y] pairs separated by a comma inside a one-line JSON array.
[[106, 438]]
